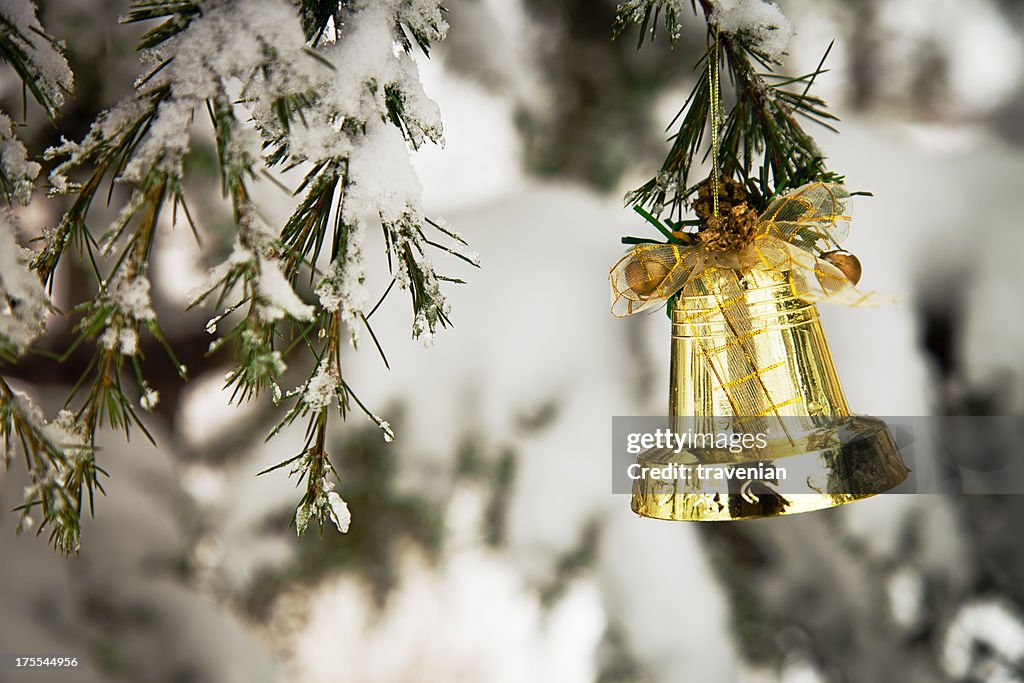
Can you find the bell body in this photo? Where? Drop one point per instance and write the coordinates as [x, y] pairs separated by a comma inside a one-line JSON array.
[[782, 366], [750, 357]]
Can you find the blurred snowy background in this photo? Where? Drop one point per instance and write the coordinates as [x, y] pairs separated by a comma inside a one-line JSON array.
[[468, 558]]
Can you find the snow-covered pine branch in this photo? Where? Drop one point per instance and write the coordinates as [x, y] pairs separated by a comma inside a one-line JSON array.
[[761, 141], [17, 171], [334, 90], [760, 24], [36, 57], [37, 60], [58, 461], [60, 467]]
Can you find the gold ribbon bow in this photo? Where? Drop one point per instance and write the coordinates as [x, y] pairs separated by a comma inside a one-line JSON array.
[[798, 233]]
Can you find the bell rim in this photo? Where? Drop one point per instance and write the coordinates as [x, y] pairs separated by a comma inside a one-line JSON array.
[[873, 463]]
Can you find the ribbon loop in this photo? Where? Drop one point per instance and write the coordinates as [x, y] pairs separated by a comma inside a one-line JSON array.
[[791, 235]]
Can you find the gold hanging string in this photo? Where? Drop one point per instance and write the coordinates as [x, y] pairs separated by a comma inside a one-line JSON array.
[[748, 354], [716, 108]]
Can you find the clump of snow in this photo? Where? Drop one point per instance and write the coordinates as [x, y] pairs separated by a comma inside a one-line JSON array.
[[339, 511], [276, 296], [327, 505], [166, 144], [321, 388], [124, 339], [15, 167], [759, 21], [257, 42], [130, 300], [302, 517], [240, 256], [23, 300], [129, 341], [149, 399], [382, 179], [108, 339], [48, 69], [131, 295], [343, 284], [422, 17], [253, 256], [990, 627], [385, 426], [65, 445]]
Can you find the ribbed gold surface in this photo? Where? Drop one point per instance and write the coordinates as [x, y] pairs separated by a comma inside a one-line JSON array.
[[788, 351]]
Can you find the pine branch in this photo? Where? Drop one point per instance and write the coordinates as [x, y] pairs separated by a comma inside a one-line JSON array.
[[763, 143], [57, 458], [59, 464], [285, 116], [20, 47]]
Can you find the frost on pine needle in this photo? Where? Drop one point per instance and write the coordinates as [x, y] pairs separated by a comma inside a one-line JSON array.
[[23, 300]]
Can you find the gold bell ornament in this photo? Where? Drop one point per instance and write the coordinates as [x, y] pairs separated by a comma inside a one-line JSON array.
[[749, 356]]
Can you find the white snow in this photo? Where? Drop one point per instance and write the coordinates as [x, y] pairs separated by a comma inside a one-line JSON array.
[[493, 626], [385, 426], [905, 590], [131, 295], [321, 388], [343, 283], [383, 180], [50, 71], [165, 146], [149, 400], [340, 514], [108, 339], [276, 296], [15, 166], [128, 339], [760, 21], [23, 300], [991, 623]]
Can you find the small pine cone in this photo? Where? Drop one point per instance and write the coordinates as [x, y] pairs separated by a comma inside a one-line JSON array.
[[730, 193], [731, 230]]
